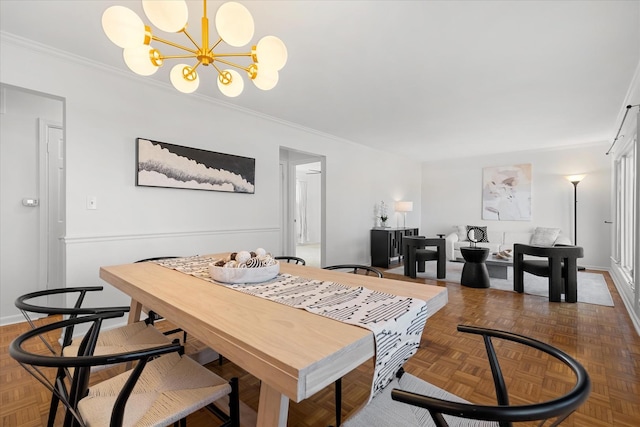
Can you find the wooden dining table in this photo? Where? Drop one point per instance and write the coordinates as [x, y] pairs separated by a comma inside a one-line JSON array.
[[293, 352]]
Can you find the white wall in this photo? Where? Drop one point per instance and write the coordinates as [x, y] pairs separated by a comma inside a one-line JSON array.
[[20, 248], [106, 110], [452, 195]]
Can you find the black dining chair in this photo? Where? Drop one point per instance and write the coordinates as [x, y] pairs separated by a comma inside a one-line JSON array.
[[355, 269], [406, 398], [163, 387], [291, 259], [559, 263], [133, 336], [153, 316]]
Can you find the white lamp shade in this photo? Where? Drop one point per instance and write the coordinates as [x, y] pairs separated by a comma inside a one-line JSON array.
[[138, 60], [234, 88], [266, 79], [123, 27], [168, 15], [271, 52], [401, 206], [576, 178], [179, 82], [234, 24]]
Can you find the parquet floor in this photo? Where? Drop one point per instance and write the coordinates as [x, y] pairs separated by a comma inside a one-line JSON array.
[[601, 338]]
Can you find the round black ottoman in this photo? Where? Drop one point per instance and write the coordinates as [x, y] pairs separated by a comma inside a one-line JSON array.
[[474, 272]]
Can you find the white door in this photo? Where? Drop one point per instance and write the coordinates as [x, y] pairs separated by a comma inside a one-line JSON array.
[[31, 181], [52, 137]]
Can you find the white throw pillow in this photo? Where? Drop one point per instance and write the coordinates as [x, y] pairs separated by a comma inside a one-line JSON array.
[[544, 236], [461, 231]]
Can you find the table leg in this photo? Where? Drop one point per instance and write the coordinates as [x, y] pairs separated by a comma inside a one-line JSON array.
[[273, 407], [135, 311], [497, 271]]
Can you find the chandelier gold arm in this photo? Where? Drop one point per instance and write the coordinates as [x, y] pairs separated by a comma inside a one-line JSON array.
[[184, 31], [223, 76], [163, 57], [196, 66], [217, 55], [233, 64], [176, 45], [210, 51]]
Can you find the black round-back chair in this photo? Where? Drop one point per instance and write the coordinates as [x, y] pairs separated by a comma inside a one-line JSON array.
[[405, 397]]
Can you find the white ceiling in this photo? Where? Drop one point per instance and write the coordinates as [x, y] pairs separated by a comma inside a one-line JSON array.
[[428, 79]]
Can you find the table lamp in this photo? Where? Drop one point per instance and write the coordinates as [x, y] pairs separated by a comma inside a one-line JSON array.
[[403, 207]]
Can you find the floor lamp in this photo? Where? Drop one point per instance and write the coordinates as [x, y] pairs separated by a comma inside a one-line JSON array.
[[403, 207], [575, 180]]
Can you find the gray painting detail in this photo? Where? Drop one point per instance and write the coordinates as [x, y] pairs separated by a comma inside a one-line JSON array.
[[506, 193], [160, 164]]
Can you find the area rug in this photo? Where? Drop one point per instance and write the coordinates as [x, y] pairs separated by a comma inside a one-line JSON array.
[[382, 411], [592, 288]]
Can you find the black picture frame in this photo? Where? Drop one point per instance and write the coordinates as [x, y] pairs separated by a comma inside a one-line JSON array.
[[165, 165]]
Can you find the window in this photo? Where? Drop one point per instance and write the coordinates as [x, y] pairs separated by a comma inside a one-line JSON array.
[[625, 171]]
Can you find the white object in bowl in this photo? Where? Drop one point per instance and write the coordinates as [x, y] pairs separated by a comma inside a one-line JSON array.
[[244, 275]]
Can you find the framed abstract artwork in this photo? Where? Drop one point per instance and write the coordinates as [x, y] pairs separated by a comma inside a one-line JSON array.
[[160, 164], [506, 193]]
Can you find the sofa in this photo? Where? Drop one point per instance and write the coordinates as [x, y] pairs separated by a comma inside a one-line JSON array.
[[498, 241]]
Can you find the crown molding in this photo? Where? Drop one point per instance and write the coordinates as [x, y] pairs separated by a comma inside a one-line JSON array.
[[43, 49]]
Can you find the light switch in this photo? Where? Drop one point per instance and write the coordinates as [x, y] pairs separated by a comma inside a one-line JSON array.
[[92, 202], [31, 203]]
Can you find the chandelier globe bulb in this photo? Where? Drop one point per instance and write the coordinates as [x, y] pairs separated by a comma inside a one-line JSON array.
[[234, 24], [271, 52], [178, 77], [266, 78], [167, 15], [138, 59], [123, 27], [230, 83]]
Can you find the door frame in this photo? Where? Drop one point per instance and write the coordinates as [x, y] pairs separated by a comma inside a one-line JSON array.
[[289, 159]]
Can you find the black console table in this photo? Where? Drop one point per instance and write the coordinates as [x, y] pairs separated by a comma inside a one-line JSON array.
[[386, 245]]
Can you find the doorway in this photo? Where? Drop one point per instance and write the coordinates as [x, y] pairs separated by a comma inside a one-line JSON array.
[[32, 192], [302, 205]]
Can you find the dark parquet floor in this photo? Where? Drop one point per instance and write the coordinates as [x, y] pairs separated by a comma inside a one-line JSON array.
[[601, 338]]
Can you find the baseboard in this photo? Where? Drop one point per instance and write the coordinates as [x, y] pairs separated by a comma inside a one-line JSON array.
[[626, 294], [17, 318]]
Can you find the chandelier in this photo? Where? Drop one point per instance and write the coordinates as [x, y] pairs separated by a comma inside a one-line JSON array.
[[234, 25]]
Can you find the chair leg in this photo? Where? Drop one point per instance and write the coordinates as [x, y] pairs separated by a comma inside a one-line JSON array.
[[234, 403], [518, 275], [570, 275], [233, 418], [53, 409], [441, 269], [338, 394], [556, 283]]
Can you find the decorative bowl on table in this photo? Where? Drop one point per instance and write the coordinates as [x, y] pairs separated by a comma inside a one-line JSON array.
[[245, 267]]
